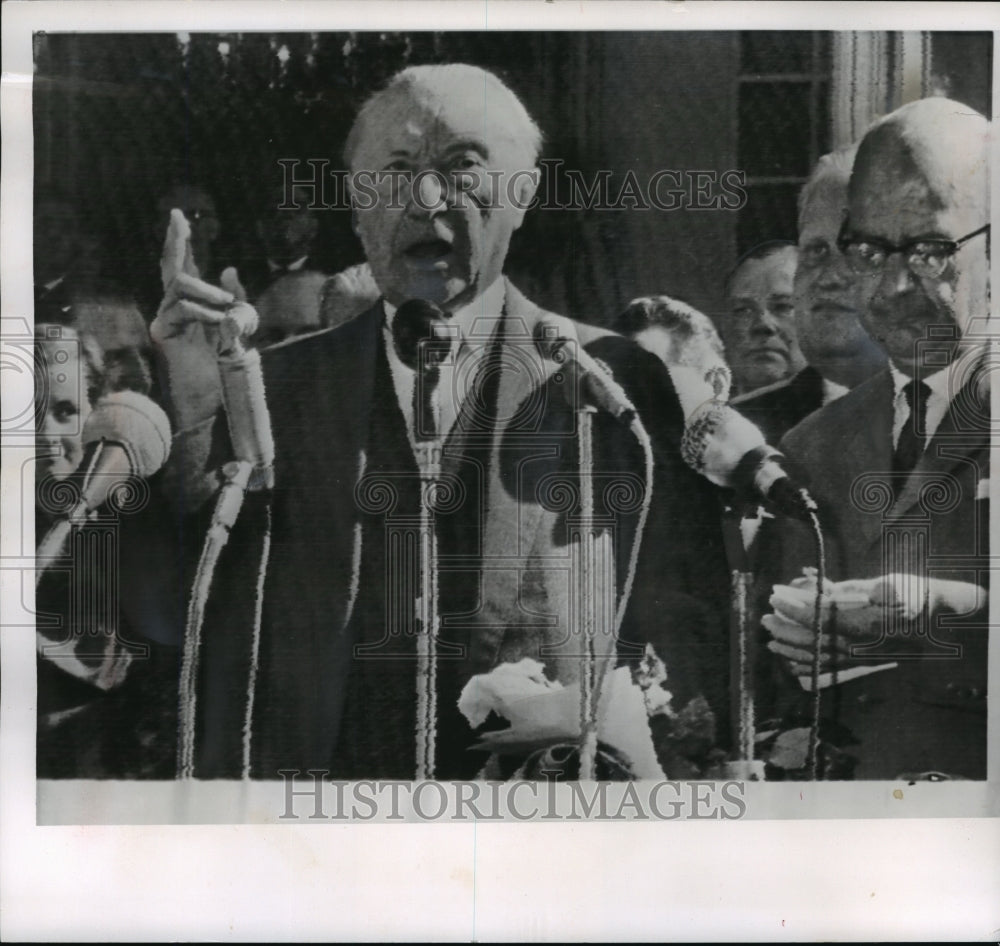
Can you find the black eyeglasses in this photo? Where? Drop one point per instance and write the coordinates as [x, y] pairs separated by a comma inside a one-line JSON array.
[[925, 258]]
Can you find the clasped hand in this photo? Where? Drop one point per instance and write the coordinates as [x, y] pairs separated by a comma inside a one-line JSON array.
[[855, 612]]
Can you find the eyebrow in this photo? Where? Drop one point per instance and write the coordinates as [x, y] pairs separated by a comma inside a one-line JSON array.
[[468, 144], [933, 235]]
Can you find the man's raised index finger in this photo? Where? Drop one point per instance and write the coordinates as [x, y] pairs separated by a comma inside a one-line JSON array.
[[177, 256]]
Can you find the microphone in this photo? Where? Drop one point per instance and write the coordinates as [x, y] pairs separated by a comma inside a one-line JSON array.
[[730, 451], [126, 435], [423, 340], [556, 339], [246, 413]]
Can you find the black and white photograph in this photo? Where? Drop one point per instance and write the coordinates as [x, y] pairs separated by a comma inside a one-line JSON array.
[[544, 420]]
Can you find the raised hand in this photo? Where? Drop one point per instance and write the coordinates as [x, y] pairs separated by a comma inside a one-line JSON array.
[[197, 323], [188, 299]]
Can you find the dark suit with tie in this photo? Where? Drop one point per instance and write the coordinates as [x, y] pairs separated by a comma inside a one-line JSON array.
[[345, 480], [779, 407], [928, 714]]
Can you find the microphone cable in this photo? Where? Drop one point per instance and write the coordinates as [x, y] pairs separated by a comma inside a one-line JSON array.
[[227, 509], [250, 433], [812, 758]]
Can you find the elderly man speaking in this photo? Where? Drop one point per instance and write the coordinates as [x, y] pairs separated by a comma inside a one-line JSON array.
[[443, 168], [900, 465]]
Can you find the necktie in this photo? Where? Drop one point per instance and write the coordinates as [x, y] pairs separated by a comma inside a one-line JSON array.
[[911, 437]]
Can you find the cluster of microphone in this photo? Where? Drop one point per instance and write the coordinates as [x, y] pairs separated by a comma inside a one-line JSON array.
[[128, 434], [719, 442]]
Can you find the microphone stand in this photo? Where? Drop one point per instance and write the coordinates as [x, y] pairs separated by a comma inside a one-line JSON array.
[[741, 651], [586, 574], [251, 471], [427, 441], [53, 544]]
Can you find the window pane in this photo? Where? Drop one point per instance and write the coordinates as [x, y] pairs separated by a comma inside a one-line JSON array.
[[824, 51], [770, 214], [769, 52], [823, 121], [774, 129]]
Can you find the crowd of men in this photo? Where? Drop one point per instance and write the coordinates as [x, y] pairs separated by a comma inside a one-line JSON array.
[[859, 352]]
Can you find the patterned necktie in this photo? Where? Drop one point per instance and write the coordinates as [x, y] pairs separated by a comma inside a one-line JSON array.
[[911, 437]]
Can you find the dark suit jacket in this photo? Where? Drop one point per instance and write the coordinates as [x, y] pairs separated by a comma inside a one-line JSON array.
[[778, 408], [930, 712], [319, 391]]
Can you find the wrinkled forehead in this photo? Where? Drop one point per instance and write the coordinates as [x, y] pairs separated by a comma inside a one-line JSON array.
[[422, 121], [887, 173], [762, 277], [906, 188], [827, 201]]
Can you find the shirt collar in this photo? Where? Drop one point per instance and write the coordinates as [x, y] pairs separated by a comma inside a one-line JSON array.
[[487, 304], [938, 382], [832, 390], [290, 268]]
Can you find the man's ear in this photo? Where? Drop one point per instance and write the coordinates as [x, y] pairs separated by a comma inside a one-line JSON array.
[[355, 222], [521, 190]]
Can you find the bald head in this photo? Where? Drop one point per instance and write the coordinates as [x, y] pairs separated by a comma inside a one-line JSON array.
[[918, 210], [471, 95], [942, 143]]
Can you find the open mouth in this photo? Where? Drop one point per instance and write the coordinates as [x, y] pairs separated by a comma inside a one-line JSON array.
[[428, 250]]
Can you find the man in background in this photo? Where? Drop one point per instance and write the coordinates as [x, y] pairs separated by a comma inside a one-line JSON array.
[[70, 290], [677, 333], [827, 299], [287, 287], [899, 466], [758, 326]]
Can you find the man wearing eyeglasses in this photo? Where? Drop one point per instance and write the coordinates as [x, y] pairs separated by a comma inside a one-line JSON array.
[[899, 470], [839, 353]]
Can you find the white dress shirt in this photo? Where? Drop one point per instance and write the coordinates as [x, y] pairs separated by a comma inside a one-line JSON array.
[[938, 400], [290, 268], [832, 390], [459, 369]]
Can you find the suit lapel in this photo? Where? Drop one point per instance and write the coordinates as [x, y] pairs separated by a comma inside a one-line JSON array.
[[962, 433], [512, 520], [354, 365], [871, 440]]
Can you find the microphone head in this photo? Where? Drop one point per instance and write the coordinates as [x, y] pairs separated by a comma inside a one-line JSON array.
[[419, 325], [135, 422], [716, 438]]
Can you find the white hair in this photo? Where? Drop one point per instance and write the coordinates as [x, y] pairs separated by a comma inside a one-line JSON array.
[[440, 82], [836, 165]]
